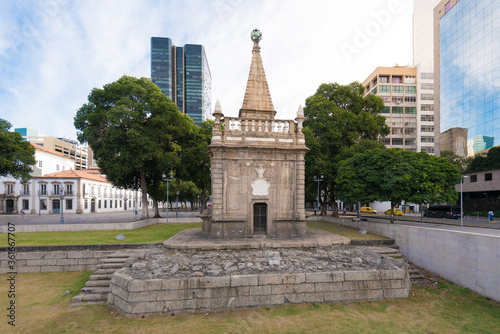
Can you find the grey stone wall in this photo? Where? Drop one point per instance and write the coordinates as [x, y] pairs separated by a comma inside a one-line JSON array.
[[134, 297], [470, 259], [36, 259]]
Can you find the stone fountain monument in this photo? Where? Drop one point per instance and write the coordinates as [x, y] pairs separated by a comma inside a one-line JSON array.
[[257, 166]]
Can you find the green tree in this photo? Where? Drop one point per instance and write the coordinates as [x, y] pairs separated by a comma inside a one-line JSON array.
[[339, 122], [396, 175], [16, 155], [133, 129], [195, 162], [460, 162], [489, 162]]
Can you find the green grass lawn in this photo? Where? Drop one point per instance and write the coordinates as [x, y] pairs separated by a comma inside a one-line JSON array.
[[442, 308], [345, 231], [149, 234]]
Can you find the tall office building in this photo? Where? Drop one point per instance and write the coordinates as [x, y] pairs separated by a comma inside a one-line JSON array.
[[408, 99], [467, 68], [183, 75]]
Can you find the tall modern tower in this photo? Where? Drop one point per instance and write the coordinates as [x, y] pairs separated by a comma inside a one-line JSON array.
[[183, 75], [467, 72]]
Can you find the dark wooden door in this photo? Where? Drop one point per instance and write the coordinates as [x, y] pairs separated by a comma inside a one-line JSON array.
[[259, 218]]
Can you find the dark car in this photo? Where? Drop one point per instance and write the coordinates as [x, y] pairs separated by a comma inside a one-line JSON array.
[[443, 211]]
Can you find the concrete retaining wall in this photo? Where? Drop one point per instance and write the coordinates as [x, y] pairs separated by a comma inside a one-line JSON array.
[[134, 297], [36, 259], [464, 258]]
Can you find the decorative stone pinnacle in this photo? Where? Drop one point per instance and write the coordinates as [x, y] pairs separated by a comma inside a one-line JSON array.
[[217, 112], [300, 112], [256, 36]]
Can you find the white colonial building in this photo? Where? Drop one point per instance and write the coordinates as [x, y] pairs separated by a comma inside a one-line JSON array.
[[55, 183]]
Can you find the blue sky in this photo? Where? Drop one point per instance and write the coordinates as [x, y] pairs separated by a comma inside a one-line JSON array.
[[53, 52]]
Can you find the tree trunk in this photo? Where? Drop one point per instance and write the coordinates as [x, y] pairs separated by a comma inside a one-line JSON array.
[[392, 212], [157, 209], [144, 190]]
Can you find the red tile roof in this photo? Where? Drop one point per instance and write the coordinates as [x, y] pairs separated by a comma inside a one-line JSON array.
[[84, 174]]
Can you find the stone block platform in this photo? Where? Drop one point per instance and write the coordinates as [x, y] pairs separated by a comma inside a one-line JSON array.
[[194, 238], [193, 280]]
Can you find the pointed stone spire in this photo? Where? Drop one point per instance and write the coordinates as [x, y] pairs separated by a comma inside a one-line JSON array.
[[257, 102]]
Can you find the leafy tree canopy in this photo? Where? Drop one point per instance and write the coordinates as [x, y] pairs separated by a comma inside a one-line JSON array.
[[16, 155], [134, 131], [460, 162], [339, 122], [396, 175], [491, 161]]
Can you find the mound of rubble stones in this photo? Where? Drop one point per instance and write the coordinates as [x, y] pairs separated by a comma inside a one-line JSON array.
[[195, 263]]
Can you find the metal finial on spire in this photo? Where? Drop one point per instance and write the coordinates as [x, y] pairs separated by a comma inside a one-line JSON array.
[[256, 35]]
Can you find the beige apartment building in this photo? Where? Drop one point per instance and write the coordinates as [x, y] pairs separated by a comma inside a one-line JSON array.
[[67, 147]]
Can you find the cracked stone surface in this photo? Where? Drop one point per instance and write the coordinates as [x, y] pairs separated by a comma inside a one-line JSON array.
[[194, 263]]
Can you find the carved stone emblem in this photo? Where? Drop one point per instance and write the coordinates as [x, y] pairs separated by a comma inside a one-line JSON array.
[[260, 185]]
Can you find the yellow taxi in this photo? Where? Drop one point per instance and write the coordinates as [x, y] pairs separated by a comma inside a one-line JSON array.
[[397, 212]]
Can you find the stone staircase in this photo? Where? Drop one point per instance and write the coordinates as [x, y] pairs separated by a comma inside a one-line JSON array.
[[416, 276], [97, 287]]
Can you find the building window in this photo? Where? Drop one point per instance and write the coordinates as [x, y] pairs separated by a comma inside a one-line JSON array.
[[428, 97], [397, 141], [26, 189], [39, 163], [85, 204], [43, 189], [386, 110], [69, 204], [410, 99], [427, 86], [99, 204], [374, 91], [473, 178], [56, 189], [488, 176], [105, 204], [428, 76], [427, 107], [385, 89], [397, 110], [428, 149], [427, 140], [397, 99], [43, 205], [397, 79], [26, 204], [427, 128], [69, 189], [116, 203], [410, 110], [397, 89], [427, 118], [57, 168], [383, 79], [411, 89]]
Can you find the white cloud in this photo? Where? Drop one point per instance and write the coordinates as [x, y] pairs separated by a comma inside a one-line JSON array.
[[69, 47]]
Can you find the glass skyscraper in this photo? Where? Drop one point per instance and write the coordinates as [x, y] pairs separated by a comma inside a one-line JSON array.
[[183, 75], [468, 56]]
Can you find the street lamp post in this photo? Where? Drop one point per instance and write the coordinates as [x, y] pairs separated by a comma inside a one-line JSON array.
[[168, 179], [462, 200], [61, 197], [318, 179], [177, 205]]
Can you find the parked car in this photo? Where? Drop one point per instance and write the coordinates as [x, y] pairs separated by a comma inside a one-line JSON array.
[[443, 211], [397, 212], [367, 209]]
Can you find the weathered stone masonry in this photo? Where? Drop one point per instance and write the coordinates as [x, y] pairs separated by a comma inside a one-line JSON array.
[[207, 294]]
